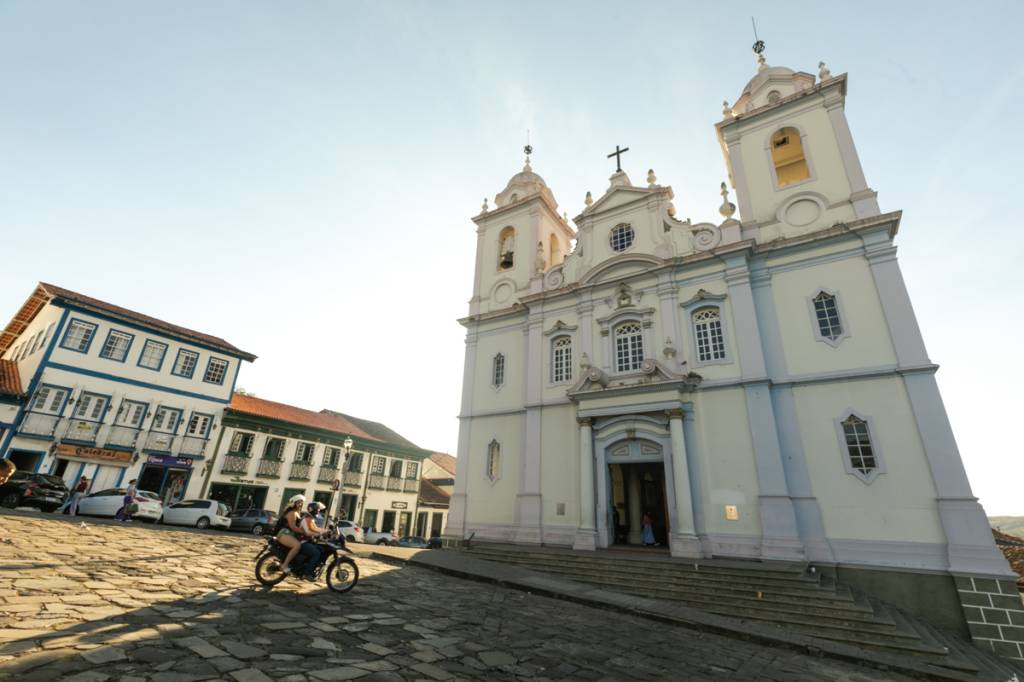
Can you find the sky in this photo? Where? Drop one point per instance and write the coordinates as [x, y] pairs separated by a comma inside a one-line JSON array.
[[299, 177]]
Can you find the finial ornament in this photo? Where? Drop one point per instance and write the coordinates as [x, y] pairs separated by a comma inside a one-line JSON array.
[[589, 201], [652, 179], [823, 73], [758, 47], [726, 109], [618, 157], [485, 208], [727, 208]]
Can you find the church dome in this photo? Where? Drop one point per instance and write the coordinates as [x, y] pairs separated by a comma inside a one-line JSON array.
[[524, 184], [771, 85]]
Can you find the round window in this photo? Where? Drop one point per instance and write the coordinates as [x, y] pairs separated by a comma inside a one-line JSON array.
[[621, 237]]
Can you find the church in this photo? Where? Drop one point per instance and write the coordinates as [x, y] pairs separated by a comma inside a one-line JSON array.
[[757, 388]]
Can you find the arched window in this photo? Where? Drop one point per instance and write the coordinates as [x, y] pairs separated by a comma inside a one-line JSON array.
[[554, 251], [707, 330], [498, 371], [629, 347], [826, 313], [561, 359], [493, 460], [858, 445], [788, 157], [506, 248]]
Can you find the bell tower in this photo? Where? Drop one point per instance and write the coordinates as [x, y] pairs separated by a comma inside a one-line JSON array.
[[790, 154]]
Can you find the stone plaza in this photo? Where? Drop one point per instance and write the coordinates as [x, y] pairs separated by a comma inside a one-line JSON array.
[[134, 603]]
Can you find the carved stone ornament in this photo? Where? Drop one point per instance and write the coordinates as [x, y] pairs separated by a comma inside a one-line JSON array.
[[705, 236], [538, 264], [584, 362], [555, 278], [669, 350]]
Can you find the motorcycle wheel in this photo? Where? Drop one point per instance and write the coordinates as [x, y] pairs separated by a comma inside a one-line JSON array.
[[268, 570], [342, 575]]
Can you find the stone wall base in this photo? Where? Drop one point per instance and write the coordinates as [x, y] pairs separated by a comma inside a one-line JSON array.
[[994, 611]]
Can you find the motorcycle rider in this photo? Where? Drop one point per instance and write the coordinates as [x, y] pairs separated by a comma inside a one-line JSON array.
[[311, 530], [288, 532]]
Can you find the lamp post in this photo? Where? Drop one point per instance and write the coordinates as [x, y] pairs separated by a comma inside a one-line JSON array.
[[347, 445]]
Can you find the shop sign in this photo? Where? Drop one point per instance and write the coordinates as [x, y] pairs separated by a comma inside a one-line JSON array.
[[236, 479], [169, 461], [98, 454], [399, 505]]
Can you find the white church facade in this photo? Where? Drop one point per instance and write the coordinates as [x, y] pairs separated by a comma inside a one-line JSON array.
[[757, 388]]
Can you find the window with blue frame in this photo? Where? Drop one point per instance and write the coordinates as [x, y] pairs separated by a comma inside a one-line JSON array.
[[216, 370], [79, 335], [49, 399], [91, 407], [199, 425], [116, 346], [185, 364], [152, 355], [166, 420]]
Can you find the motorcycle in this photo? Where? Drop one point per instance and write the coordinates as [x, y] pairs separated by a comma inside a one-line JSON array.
[[341, 570]]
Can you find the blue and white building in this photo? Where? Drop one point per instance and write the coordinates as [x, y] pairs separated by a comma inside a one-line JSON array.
[[114, 394]]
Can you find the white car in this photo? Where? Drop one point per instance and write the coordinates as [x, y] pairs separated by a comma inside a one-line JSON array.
[[372, 537], [351, 531], [198, 513], [107, 502]]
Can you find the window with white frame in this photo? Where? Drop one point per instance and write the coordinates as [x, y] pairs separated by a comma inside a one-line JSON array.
[[185, 363], [377, 465], [498, 371], [49, 400], [78, 336], [561, 359], [131, 414], [48, 335], [304, 452], [166, 419], [826, 314], [621, 237], [331, 456], [396, 468], [91, 407], [355, 462], [629, 347], [412, 469], [493, 469], [274, 449], [242, 442], [35, 341], [707, 330], [859, 449], [152, 355], [216, 369], [198, 425], [116, 346]]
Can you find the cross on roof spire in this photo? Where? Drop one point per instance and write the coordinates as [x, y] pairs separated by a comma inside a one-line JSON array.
[[618, 157]]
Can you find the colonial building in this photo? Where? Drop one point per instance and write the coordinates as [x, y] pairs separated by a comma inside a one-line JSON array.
[[269, 451], [113, 394], [11, 395], [435, 494], [756, 387]]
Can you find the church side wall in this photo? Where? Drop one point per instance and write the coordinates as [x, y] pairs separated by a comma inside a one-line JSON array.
[[491, 504], [560, 473]]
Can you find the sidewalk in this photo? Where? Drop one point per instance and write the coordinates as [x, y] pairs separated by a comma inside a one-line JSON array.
[[455, 563]]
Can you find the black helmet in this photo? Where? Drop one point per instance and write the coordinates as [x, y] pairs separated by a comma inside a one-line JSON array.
[[315, 508]]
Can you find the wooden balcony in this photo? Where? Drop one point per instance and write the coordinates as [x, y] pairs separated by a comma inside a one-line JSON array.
[[394, 485], [376, 482], [269, 468], [300, 471], [235, 464], [353, 479]]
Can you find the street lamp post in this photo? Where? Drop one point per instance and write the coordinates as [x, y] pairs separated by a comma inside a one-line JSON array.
[[336, 485]]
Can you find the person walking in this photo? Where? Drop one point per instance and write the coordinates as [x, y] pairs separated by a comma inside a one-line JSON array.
[[648, 531], [124, 513], [71, 504]]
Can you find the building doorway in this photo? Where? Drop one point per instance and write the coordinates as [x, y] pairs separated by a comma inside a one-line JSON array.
[[387, 522], [347, 506], [167, 481], [237, 497], [25, 460], [638, 490]]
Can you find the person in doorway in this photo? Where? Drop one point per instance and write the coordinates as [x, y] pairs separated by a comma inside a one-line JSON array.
[[173, 493], [125, 512], [246, 503], [648, 531], [288, 532], [71, 504]]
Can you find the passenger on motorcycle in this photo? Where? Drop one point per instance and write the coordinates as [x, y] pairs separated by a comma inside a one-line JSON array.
[[311, 530], [288, 532]]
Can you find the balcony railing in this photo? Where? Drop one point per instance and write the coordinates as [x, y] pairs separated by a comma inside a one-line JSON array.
[[353, 478], [327, 474], [235, 464], [38, 424], [394, 485], [190, 445], [411, 485], [158, 441], [122, 436], [300, 471], [376, 481], [269, 468], [82, 430]]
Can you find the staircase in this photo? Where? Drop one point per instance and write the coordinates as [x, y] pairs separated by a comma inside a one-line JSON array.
[[768, 594]]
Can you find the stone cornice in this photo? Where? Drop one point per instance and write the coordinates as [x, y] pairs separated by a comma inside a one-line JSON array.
[[818, 88]]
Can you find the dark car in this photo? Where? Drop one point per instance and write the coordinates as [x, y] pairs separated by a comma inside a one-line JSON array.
[[413, 541], [255, 521], [434, 542], [33, 490]]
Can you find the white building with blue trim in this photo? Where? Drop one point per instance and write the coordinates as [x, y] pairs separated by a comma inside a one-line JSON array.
[[113, 394]]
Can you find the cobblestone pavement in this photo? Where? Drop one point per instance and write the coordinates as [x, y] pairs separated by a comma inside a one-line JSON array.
[[135, 602]]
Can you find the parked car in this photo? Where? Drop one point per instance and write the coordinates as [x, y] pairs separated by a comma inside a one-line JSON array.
[[434, 542], [413, 541], [372, 537], [352, 531], [255, 521], [25, 489], [107, 502], [198, 513]]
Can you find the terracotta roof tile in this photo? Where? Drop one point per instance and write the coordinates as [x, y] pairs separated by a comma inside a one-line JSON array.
[[445, 461], [1012, 548], [431, 494], [10, 379], [377, 430], [258, 407], [132, 316]]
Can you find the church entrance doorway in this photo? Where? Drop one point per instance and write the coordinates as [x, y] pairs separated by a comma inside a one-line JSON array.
[[638, 495]]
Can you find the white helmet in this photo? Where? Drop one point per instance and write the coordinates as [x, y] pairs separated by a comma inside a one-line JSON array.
[[296, 498]]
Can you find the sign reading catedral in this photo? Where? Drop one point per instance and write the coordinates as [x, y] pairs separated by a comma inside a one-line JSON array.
[[756, 387]]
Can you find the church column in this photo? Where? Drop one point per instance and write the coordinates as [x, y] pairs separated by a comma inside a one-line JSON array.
[[456, 528], [683, 541], [969, 541], [780, 538], [636, 531], [586, 534], [669, 320], [863, 198], [528, 502]]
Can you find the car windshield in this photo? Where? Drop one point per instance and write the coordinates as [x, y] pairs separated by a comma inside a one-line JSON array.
[[149, 495], [51, 480]]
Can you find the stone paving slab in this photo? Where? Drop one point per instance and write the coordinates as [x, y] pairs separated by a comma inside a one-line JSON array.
[[203, 617]]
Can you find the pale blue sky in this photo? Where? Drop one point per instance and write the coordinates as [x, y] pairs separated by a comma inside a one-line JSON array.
[[298, 177]]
